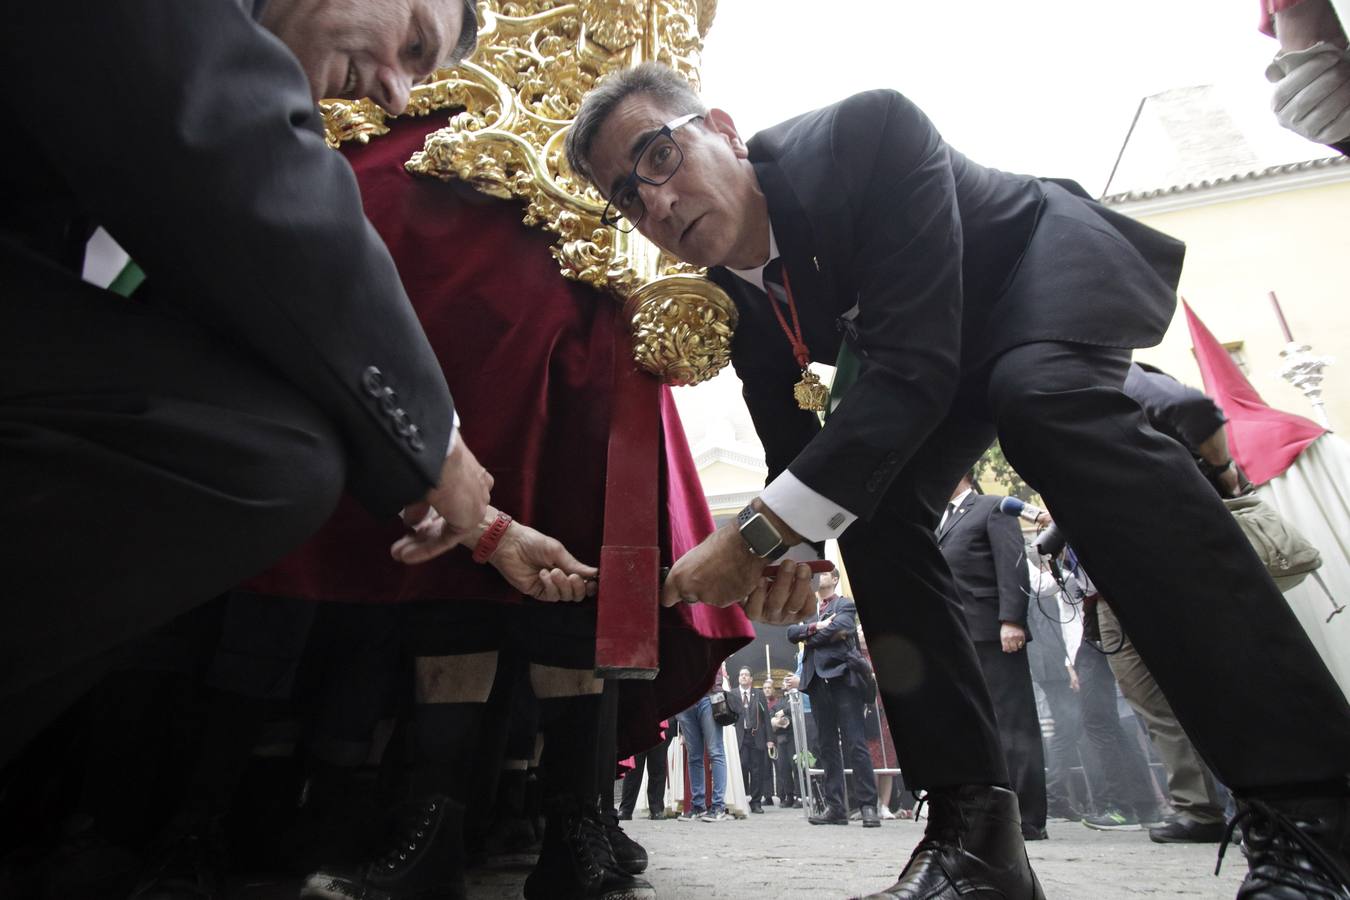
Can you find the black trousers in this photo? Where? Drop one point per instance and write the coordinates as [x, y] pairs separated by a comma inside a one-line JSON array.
[[1124, 769], [838, 709], [1063, 754], [784, 768], [755, 765], [1140, 516], [148, 466], [1019, 727], [654, 760]]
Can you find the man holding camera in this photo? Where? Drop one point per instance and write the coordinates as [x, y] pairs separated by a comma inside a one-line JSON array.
[[978, 304], [835, 676]]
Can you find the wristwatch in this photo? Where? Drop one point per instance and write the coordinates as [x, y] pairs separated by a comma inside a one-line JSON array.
[[760, 535]]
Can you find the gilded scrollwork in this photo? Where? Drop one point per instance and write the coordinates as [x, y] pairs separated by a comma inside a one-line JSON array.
[[682, 327], [513, 101]]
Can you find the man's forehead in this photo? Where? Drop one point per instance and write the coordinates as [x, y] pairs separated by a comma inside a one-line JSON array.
[[626, 128]]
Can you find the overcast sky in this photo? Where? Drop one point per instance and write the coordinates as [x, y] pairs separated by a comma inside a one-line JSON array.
[[1046, 87]]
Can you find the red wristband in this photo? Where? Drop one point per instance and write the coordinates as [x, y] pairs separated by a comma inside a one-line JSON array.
[[487, 544]]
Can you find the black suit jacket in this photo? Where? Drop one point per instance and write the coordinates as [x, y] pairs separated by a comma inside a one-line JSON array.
[[752, 720], [985, 551], [187, 131], [828, 650], [929, 265]]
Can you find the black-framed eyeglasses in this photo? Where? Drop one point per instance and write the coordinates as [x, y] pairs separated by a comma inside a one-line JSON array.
[[657, 162]]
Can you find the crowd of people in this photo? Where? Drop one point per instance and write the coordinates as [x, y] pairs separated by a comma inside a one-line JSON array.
[[266, 609]]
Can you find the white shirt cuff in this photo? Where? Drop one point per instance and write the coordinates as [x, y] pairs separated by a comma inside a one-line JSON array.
[[812, 515], [454, 435]]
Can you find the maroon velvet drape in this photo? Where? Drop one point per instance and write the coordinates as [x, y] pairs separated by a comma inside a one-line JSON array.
[[529, 359]]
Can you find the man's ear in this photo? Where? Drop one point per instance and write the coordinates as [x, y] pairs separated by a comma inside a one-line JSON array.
[[719, 120]]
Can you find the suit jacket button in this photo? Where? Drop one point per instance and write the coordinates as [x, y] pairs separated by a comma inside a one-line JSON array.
[[401, 423], [388, 400], [415, 441], [372, 379]]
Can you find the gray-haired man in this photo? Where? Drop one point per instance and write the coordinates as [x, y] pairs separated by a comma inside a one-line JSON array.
[[977, 304]]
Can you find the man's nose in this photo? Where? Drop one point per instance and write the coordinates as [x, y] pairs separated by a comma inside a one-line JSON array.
[[393, 88], [659, 200]]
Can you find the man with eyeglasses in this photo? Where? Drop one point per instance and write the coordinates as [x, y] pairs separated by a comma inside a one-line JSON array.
[[972, 304]]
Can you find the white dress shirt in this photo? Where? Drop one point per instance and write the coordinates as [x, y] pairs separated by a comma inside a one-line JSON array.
[[806, 511]]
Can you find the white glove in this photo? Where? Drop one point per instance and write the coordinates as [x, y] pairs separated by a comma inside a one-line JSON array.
[[1312, 92]]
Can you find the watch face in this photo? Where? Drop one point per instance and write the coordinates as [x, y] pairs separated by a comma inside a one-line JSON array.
[[762, 537]]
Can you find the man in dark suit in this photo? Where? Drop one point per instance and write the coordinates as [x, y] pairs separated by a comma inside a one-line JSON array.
[[831, 675], [752, 737], [975, 304], [158, 450], [984, 549], [780, 729]]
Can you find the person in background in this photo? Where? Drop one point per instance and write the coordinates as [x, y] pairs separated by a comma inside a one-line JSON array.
[[780, 726], [830, 666], [704, 736], [983, 548]]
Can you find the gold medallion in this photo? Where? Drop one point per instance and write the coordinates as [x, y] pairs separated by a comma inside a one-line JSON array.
[[811, 394]]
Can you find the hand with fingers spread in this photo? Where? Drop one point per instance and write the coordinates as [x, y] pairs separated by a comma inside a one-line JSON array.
[[450, 511]]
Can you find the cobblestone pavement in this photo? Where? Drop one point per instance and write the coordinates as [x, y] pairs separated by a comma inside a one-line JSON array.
[[779, 855]]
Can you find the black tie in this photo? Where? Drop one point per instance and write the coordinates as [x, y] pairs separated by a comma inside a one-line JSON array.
[[946, 520]]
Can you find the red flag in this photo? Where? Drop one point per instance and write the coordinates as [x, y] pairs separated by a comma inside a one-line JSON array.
[[1264, 441]]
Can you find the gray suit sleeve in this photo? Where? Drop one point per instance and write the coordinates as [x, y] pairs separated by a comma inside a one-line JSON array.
[[188, 131]]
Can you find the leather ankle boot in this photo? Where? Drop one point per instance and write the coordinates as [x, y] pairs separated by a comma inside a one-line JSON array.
[[1295, 848], [577, 860], [973, 839], [424, 860]]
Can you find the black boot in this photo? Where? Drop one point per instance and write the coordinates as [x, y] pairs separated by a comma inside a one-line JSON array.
[[187, 863], [628, 853], [577, 860], [424, 861], [974, 839], [1295, 849]]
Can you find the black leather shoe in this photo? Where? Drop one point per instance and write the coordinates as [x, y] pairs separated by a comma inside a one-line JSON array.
[[829, 817], [974, 840], [755, 807], [1187, 831], [424, 859], [628, 853], [1032, 833], [1295, 848], [870, 819], [577, 861], [186, 864]]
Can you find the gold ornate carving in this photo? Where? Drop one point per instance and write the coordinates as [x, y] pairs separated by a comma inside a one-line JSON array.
[[515, 98], [682, 327]]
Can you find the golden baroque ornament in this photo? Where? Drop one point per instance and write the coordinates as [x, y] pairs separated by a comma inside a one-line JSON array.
[[514, 98], [682, 328]]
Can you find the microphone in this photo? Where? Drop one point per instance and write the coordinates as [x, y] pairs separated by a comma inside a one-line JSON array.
[[1050, 541], [1013, 507]]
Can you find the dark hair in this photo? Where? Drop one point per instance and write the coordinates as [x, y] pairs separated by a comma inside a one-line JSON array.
[[651, 78], [744, 669], [468, 35]]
